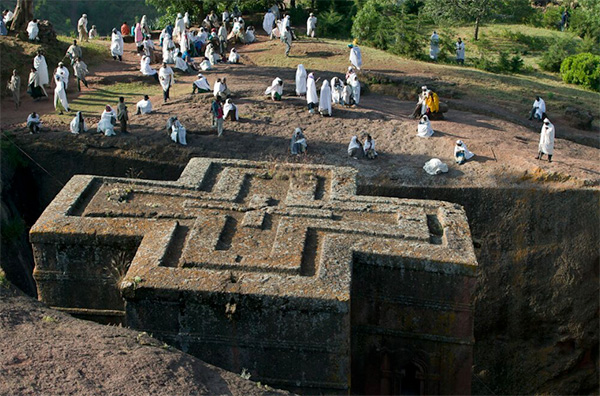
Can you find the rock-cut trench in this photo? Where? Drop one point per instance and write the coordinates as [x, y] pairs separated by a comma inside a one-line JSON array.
[[536, 303]]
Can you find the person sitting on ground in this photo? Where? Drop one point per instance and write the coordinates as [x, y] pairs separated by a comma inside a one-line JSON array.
[[78, 125], [546, 145], [462, 153], [355, 147], [421, 107], [81, 71], [220, 89], [205, 64], [34, 123], [144, 106], [176, 131], [74, 52], [369, 147], [211, 55], [234, 57], [325, 100], [538, 111], [201, 85], [125, 29], [93, 33], [337, 89], [424, 128], [230, 111], [146, 69], [275, 90], [148, 47], [180, 64], [107, 122], [250, 35], [33, 30], [298, 143]]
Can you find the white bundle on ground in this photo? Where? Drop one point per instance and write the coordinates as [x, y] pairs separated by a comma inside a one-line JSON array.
[[434, 167]]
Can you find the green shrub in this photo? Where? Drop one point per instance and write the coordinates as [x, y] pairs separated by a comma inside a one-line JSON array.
[[589, 44], [329, 24], [447, 45], [582, 69], [560, 48], [585, 19], [551, 18]]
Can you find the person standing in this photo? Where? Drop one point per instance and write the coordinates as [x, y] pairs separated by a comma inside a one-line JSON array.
[[74, 52], [116, 45], [166, 78], [39, 63], [546, 145], [311, 25], [60, 95], [33, 30], [34, 88], [355, 56], [63, 73], [460, 52], [14, 86], [217, 113], [81, 71], [434, 46], [287, 40], [82, 28], [300, 80], [312, 99], [122, 115], [222, 35], [268, 22]]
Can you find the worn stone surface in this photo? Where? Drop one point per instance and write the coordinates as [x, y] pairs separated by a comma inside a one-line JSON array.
[[279, 269]]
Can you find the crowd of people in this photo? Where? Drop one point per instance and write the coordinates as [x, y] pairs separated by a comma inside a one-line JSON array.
[[180, 43]]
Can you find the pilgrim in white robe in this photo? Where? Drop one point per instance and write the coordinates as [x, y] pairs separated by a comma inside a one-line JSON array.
[[179, 27], [355, 84], [166, 78], [78, 125], [337, 89], [144, 106], [33, 30], [107, 122], [229, 107], [178, 133], [540, 108], [356, 57], [424, 128], [205, 65], [325, 99], [60, 94], [275, 90], [369, 148], [298, 143], [354, 147], [461, 152], [186, 19], [300, 80], [347, 95], [250, 36], [39, 62], [180, 64], [268, 21], [145, 67], [546, 145], [311, 25], [116, 44], [211, 55], [234, 57], [202, 84], [64, 75], [312, 99], [434, 46]]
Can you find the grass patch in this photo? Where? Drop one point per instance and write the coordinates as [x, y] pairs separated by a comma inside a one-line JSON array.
[[49, 319]]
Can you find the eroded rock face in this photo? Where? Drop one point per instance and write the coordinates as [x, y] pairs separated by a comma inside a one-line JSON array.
[[280, 269], [579, 118]]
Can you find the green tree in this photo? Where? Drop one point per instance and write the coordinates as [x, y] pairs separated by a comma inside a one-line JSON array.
[[472, 11]]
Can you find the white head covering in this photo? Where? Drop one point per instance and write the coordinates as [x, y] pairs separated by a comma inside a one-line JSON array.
[[311, 89], [325, 98], [300, 80]]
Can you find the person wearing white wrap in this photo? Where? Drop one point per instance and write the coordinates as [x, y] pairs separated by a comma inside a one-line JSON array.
[[60, 95], [78, 125], [311, 25], [462, 153], [355, 56], [33, 30], [434, 46], [337, 89], [354, 148], [234, 57], [146, 69], [166, 79], [424, 128], [355, 84], [298, 143], [63, 73], [275, 90], [107, 122], [116, 45], [230, 111], [300, 80], [312, 99], [369, 147], [201, 85], [546, 145], [39, 62], [82, 28], [176, 131], [538, 110], [144, 106], [325, 99], [268, 22]]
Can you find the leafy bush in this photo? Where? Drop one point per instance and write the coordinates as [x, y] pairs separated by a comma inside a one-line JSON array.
[[585, 20], [518, 11], [552, 17], [560, 48], [329, 24], [582, 69], [589, 44]]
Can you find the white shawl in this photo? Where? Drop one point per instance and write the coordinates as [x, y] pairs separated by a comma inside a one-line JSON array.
[[325, 98], [300, 80], [311, 90]]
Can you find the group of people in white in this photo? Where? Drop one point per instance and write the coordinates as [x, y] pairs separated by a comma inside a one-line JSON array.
[[179, 43], [434, 48]]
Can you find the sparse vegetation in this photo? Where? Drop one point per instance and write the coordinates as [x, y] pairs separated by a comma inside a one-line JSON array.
[[49, 319]]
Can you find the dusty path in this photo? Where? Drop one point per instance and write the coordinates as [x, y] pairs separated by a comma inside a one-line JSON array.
[[504, 150]]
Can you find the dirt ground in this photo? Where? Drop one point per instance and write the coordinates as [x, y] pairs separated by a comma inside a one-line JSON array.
[[504, 150], [44, 352]]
